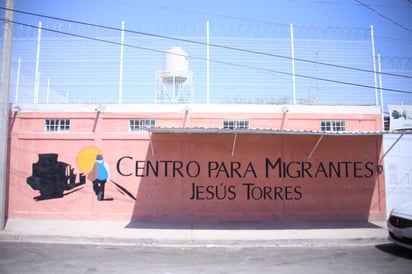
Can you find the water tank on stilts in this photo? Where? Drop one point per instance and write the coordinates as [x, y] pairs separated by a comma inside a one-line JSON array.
[[174, 84]]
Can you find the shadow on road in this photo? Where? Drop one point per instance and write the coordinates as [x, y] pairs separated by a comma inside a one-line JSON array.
[[395, 250], [251, 225]]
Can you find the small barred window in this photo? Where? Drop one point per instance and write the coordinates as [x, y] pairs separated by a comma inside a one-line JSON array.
[[140, 125], [235, 124], [332, 125], [53, 125], [386, 123]]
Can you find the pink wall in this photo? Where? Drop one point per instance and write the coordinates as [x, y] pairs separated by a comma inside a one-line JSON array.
[[197, 177]]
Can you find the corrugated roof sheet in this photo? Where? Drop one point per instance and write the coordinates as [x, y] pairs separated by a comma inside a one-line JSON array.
[[271, 131]]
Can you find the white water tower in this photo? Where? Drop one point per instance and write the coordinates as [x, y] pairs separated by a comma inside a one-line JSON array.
[[174, 84]]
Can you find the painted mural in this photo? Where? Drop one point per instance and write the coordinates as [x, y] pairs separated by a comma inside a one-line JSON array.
[[99, 175], [273, 181], [100, 170], [56, 179], [52, 178]]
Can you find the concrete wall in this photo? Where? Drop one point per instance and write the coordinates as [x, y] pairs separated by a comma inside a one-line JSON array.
[[398, 170], [195, 177]]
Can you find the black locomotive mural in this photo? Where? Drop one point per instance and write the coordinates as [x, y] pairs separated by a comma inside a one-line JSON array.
[[52, 178]]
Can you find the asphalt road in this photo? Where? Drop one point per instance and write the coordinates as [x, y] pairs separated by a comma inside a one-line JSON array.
[[19, 257]]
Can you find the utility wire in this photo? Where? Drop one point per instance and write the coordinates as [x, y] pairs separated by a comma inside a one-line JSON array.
[[384, 16], [181, 10], [204, 43], [212, 60]]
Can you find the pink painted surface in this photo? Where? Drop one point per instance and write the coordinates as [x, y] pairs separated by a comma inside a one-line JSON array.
[[197, 178]]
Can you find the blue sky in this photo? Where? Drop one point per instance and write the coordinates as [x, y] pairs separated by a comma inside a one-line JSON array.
[[391, 19]]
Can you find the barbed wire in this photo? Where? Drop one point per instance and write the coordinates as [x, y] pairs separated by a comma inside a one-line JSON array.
[[225, 30], [264, 70], [397, 63], [195, 42], [189, 41]]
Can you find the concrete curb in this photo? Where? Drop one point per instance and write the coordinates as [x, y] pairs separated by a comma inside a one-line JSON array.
[[194, 235], [195, 243]]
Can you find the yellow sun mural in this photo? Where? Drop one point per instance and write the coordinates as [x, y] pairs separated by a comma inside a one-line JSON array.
[[86, 158]]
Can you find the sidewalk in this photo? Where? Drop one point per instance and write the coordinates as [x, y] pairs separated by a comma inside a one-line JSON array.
[[208, 235]]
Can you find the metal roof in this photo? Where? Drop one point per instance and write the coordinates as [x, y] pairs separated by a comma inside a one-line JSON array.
[[271, 131]]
